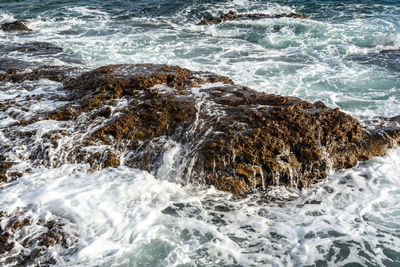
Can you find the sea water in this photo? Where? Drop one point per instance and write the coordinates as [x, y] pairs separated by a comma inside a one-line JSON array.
[[129, 217]]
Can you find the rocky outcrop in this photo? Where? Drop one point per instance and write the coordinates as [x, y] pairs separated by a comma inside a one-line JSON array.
[[223, 134], [17, 25], [228, 136], [232, 15]]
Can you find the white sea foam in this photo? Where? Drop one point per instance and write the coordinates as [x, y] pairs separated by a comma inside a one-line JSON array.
[[304, 58], [125, 216], [129, 216]]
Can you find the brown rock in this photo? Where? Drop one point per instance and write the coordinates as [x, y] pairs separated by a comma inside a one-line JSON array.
[[290, 15], [111, 160], [17, 229], [230, 136], [4, 166], [236, 139], [17, 25]]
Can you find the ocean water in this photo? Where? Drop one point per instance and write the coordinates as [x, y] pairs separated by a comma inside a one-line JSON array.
[[128, 217]]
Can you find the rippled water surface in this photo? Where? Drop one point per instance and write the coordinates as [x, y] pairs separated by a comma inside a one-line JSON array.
[[346, 54]]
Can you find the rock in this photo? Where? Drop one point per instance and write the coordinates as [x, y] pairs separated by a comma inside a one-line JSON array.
[[290, 15], [33, 236], [230, 136], [19, 71], [10, 66], [232, 15], [5, 174], [17, 25], [31, 47], [389, 59], [4, 166], [390, 51], [395, 118]]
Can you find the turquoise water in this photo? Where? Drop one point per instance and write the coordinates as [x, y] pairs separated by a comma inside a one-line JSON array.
[[323, 57], [127, 217]]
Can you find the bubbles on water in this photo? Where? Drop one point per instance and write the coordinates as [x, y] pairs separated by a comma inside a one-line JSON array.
[[126, 216], [308, 58]]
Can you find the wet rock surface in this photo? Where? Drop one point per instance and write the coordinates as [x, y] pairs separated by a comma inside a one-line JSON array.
[[17, 25], [18, 71], [232, 15], [5, 174], [389, 59], [26, 240], [229, 136], [30, 48]]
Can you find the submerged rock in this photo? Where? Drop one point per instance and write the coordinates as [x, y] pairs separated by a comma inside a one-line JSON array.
[[17, 25], [226, 135], [232, 15]]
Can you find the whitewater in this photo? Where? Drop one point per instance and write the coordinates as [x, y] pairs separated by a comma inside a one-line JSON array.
[[129, 217]]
